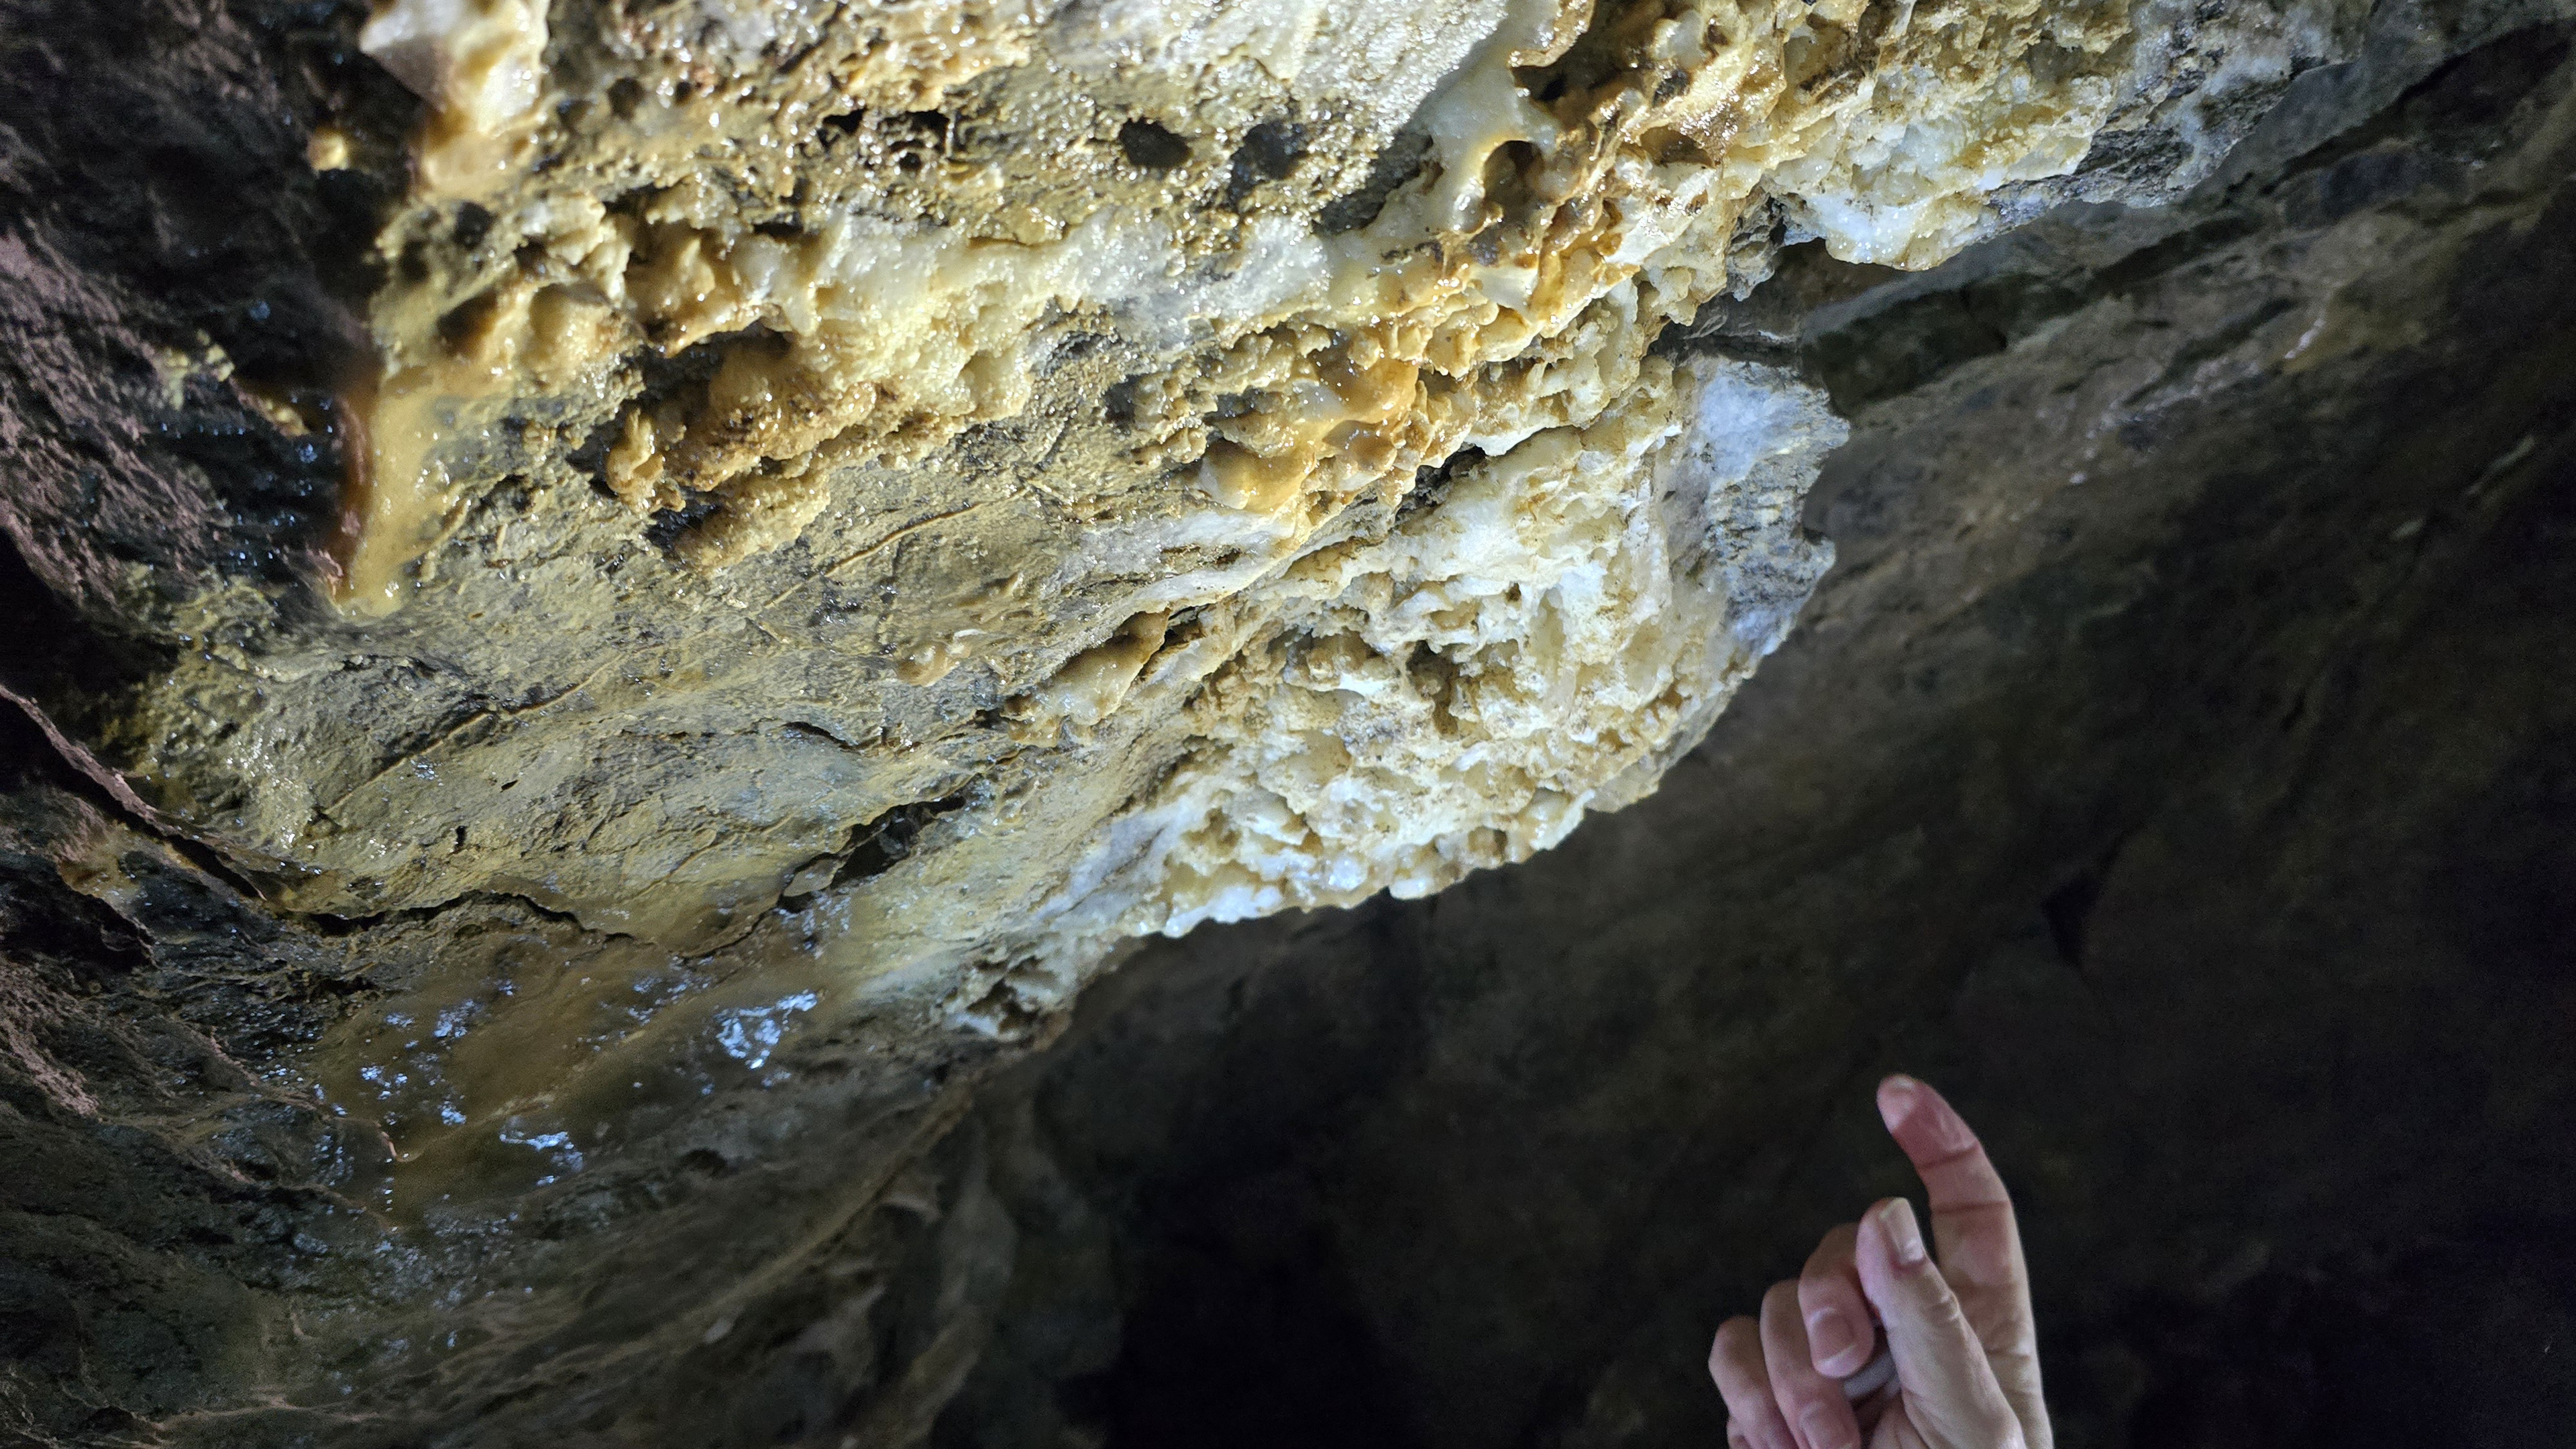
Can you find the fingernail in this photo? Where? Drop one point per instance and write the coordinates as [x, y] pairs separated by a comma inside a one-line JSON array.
[[1829, 1338], [1896, 1098], [1823, 1430], [1896, 1219]]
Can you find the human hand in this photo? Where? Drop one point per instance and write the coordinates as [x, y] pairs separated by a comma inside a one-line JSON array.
[[1965, 1348]]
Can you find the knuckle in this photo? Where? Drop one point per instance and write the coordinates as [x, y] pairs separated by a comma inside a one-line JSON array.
[[1824, 1282], [1936, 1305], [1815, 1293]]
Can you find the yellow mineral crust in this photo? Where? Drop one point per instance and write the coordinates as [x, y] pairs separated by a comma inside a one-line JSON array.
[[1564, 162], [481, 64], [1197, 457]]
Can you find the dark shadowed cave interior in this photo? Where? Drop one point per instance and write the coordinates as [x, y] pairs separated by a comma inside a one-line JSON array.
[[2177, 765]]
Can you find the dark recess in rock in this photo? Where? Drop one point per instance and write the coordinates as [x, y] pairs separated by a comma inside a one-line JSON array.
[[1152, 146], [1401, 161], [1269, 152]]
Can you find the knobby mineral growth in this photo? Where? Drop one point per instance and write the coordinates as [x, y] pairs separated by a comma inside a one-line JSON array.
[[913, 495]]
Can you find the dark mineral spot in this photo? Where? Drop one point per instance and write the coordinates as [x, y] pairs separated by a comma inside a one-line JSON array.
[[473, 223], [1270, 151], [1152, 147], [664, 528], [1401, 161]]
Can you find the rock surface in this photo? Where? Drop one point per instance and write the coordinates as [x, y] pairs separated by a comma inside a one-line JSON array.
[[536, 817], [921, 495], [2176, 765]]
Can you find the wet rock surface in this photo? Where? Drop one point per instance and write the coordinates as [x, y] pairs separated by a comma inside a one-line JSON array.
[[2174, 764]]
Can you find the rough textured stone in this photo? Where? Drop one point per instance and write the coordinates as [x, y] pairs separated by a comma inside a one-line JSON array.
[[551, 993], [2193, 808], [781, 433]]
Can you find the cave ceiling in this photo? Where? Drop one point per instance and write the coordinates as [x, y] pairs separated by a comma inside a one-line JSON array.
[[662, 584]]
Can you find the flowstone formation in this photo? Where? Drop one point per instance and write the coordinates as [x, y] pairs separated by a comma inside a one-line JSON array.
[[625, 596], [885, 503], [933, 491]]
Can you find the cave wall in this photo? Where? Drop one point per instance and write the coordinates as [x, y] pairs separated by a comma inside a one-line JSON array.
[[2172, 764], [2175, 767]]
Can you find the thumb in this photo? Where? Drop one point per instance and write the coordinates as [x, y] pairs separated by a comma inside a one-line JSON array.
[[1950, 1391]]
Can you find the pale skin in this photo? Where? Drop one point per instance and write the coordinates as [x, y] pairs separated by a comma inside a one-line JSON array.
[[1955, 1319]]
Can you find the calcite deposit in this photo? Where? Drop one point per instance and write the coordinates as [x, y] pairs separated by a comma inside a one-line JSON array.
[[857, 509], [926, 492]]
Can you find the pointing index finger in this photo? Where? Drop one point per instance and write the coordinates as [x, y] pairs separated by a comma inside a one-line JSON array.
[[1972, 1217], [1946, 1155]]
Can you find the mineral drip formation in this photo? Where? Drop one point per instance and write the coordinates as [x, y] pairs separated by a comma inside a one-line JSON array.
[[892, 500]]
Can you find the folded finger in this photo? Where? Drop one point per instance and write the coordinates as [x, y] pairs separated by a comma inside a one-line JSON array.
[[1951, 1393], [1840, 1337], [1813, 1404], [1735, 1361]]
